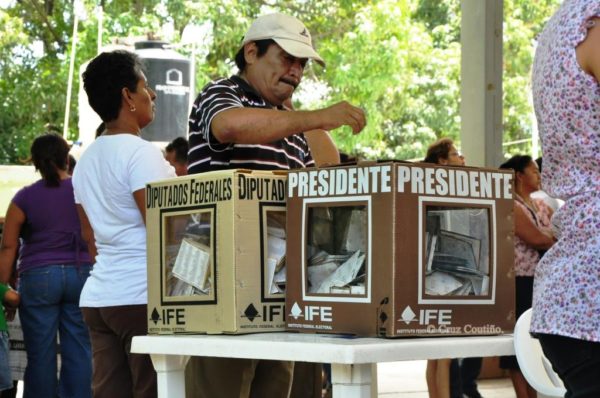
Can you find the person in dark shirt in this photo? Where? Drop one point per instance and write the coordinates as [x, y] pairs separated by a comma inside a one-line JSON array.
[[242, 122]]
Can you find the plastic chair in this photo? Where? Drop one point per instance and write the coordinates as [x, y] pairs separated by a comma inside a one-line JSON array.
[[536, 369]]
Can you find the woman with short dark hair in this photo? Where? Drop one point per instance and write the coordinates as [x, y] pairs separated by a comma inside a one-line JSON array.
[[109, 182], [53, 266]]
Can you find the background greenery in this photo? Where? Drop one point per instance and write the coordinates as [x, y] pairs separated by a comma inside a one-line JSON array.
[[398, 59]]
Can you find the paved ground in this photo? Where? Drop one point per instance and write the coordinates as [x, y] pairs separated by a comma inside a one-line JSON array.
[[407, 380]]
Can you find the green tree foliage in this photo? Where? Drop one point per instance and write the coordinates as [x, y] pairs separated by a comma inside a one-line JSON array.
[[398, 59]]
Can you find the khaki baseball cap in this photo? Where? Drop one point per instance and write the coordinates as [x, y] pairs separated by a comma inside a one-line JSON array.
[[288, 32]]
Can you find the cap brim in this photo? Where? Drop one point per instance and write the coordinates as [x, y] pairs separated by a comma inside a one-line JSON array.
[[299, 49]]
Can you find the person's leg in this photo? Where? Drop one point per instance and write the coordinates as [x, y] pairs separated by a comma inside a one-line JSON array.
[[5, 373], [40, 291], [76, 352], [11, 392], [469, 371], [430, 377], [273, 379], [111, 377], [522, 388], [126, 322], [577, 363], [204, 377], [308, 380], [442, 378], [455, 380]]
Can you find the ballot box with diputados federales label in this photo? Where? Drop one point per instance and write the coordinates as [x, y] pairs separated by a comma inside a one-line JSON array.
[[216, 253], [400, 249]]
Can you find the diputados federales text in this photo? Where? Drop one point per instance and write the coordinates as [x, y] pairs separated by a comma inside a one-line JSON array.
[[414, 179], [194, 192]]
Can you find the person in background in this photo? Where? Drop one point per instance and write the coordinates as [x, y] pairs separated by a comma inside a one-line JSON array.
[[444, 152], [450, 377], [53, 266], [241, 122], [109, 182], [553, 203], [176, 153], [533, 236], [10, 298], [566, 97]]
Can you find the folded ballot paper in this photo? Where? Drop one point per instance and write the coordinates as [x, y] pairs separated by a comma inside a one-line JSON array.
[[337, 274], [192, 268]]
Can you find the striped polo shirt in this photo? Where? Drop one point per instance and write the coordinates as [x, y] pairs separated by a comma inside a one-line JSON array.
[[207, 154]]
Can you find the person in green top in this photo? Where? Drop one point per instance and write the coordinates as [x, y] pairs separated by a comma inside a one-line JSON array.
[[10, 298]]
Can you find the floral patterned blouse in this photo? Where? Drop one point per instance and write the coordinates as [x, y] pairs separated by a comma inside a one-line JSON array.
[[526, 257], [566, 299]]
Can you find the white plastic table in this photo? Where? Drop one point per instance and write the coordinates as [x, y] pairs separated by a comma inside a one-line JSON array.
[[354, 360]]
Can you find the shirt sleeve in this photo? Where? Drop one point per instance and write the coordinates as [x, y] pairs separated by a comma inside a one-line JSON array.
[[146, 165], [214, 99], [20, 199], [3, 290]]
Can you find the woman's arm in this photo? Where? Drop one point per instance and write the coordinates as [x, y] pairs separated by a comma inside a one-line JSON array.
[[140, 200], [588, 55], [529, 232], [15, 218], [87, 233]]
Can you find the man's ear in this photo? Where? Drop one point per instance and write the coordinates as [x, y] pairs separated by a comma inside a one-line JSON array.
[[250, 52], [442, 161]]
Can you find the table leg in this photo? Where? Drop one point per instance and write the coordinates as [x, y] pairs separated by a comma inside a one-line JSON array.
[[170, 374], [354, 381]]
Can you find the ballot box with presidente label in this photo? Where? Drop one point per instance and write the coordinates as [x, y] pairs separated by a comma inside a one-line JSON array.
[[400, 249]]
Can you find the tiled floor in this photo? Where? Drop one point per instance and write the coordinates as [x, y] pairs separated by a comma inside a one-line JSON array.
[[407, 380]]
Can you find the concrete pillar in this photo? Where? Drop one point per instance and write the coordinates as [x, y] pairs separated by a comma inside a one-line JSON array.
[[481, 82]]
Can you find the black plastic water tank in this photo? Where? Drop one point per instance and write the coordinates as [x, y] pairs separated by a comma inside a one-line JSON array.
[[168, 74]]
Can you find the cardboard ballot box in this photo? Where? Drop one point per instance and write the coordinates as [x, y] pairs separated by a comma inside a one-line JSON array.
[[216, 245], [400, 249]]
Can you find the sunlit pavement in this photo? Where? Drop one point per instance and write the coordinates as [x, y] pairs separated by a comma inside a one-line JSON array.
[[407, 379]]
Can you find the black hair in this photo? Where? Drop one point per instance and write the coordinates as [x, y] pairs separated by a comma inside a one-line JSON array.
[[49, 153], [518, 163], [539, 163], [180, 146], [262, 47], [100, 129], [72, 163], [438, 150], [105, 77]]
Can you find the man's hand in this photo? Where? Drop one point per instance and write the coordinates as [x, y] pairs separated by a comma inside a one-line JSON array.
[[342, 114]]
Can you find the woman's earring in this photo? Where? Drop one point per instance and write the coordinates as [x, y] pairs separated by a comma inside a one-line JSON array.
[[132, 108]]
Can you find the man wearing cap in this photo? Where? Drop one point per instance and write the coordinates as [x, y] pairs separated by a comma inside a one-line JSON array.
[[241, 122], [238, 122]]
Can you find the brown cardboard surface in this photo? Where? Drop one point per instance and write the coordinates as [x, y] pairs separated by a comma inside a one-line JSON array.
[[215, 282], [402, 203]]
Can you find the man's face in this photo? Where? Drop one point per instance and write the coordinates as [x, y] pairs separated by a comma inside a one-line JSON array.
[[275, 74]]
